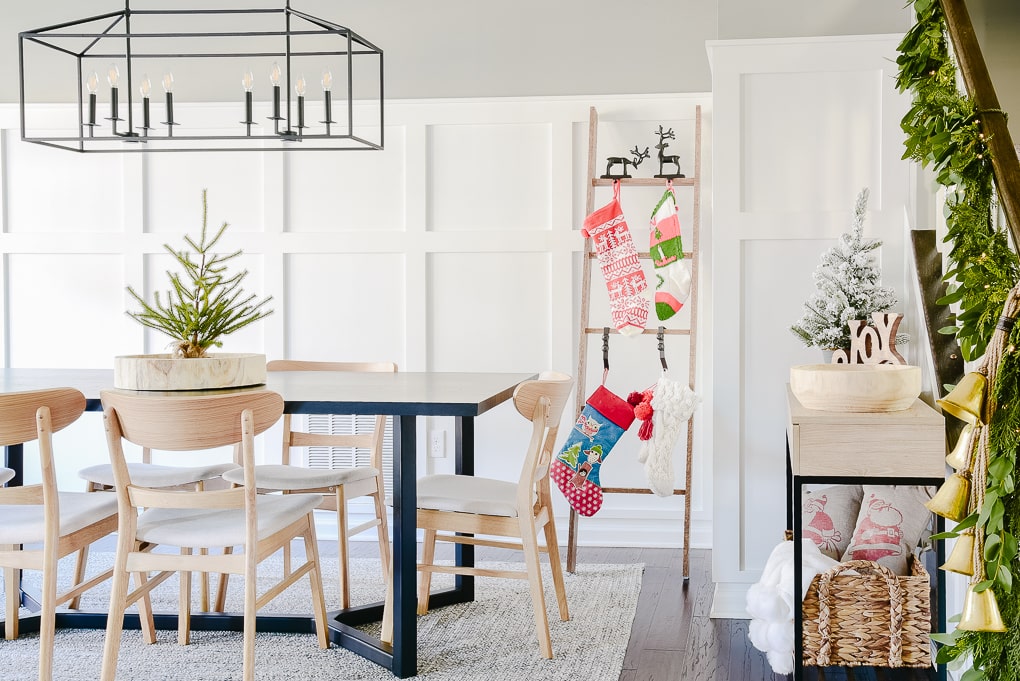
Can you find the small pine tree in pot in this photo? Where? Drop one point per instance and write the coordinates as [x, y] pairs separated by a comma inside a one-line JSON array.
[[205, 303], [848, 286]]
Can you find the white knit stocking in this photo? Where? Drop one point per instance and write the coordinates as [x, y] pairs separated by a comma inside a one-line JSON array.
[[673, 403]]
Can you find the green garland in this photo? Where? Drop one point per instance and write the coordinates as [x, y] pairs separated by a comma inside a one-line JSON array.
[[944, 132]]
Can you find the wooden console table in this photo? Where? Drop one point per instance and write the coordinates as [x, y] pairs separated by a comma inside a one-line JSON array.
[[850, 448]]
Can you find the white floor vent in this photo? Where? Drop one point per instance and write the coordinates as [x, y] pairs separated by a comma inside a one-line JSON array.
[[335, 458]]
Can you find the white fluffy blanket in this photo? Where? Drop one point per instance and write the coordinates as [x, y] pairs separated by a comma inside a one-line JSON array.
[[770, 602]]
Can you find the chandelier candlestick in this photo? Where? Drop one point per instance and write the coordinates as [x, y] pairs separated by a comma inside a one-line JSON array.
[[300, 90], [168, 87], [113, 78], [145, 89], [92, 84], [327, 99], [248, 82]]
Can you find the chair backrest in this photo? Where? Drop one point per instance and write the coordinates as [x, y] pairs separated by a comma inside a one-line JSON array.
[[185, 422], [18, 412], [295, 438], [541, 401], [31, 415]]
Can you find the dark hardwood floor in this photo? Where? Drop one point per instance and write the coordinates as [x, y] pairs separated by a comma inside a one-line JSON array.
[[673, 638]]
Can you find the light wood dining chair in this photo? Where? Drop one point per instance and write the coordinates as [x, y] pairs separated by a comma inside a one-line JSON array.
[[189, 520], [470, 505], [99, 478], [338, 486], [39, 525]]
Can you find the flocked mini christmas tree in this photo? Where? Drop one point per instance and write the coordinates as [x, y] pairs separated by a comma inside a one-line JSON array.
[[848, 287]]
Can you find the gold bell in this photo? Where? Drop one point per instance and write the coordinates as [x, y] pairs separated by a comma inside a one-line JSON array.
[[961, 557], [951, 500], [960, 456], [967, 400], [980, 612]]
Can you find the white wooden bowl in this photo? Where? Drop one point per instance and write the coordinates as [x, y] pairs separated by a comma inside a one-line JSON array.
[[164, 372], [856, 387]]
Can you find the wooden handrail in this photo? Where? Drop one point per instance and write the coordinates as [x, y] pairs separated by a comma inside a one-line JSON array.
[[1005, 163]]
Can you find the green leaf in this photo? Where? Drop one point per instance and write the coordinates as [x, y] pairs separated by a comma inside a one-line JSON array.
[[948, 330], [999, 468], [947, 654], [947, 639], [948, 534], [1005, 577], [966, 523], [981, 586], [992, 547], [973, 675]]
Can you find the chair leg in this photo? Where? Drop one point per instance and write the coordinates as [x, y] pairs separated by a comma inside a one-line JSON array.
[[530, 542], [557, 569], [12, 589], [342, 547], [203, 584], [184, 604], [221, 587], [250, 595], [428, 556], [315, 577], [47, 614], [79, 574], [145, 607], [385, 562], [115, 617]]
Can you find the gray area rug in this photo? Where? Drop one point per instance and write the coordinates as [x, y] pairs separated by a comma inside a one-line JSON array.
[[490, 638]]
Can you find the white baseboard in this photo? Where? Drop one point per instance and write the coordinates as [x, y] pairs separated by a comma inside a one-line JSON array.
[[600, 530], [730, 601]]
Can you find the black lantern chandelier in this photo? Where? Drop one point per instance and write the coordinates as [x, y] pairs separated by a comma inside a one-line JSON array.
[[285, 80]]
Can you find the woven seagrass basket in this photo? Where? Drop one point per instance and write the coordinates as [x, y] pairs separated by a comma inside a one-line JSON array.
[[874, 618]]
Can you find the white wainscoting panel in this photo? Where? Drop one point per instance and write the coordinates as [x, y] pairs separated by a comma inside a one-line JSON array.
[[455, 249], [801, 125]]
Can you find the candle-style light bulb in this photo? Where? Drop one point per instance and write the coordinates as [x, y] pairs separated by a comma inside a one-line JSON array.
[[301, 86], [248, 80], [274, 74], [327, 80], [113, 75], [168, 82], [145, 88], [92, 83]]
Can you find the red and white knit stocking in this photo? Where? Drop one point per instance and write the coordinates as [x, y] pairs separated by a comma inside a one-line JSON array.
[[625, 280]]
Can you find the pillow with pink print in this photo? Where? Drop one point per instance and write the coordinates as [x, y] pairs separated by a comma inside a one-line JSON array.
[[890, 525], [828, 516]]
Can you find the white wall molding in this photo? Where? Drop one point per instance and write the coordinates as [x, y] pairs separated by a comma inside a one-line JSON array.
[[455, 248]]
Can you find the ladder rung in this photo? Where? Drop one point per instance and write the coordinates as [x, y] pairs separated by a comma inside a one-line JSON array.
[[644, 332], [637, 490], [643, 254], [644, 181]]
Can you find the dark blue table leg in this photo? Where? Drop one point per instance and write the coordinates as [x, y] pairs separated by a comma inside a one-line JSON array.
[[14, 459], [405, 640], [465, 553]]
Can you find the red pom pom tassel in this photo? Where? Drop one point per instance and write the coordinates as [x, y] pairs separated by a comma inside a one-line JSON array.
[[645, 432]]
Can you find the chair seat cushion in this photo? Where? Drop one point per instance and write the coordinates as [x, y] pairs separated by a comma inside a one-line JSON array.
[[212, 527], [281, 477], [154, 475], [24, 524], [468, 494], [5, 475]]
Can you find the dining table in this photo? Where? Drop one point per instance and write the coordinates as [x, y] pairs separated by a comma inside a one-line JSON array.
[[405, 396]]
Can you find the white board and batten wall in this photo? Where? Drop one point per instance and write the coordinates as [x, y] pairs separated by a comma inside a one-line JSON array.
[[454, 249], [801, 125]]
